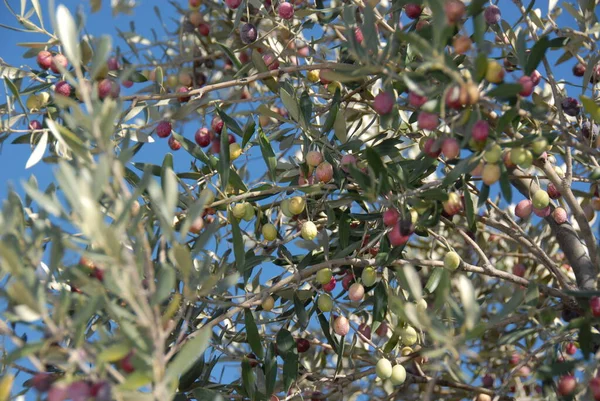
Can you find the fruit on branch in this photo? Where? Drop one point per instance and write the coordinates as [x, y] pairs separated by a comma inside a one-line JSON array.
[[163, 129], [409, 335], [595, 306], [324, 172], [172, 81], [341, 326], [309, 230], [270, 61], [544, 212], [286, 10], [451, 260], [431, 147], [313, 76], [202, 137], [358, 35], [383, 369], [204, 29], [269, 232], [390, 217], [63, 88], [493, 154], [325, 303], [480, 131], [566, 385], [570, 349], [248, 212], [527, 86], [268, 303], [483, 397], [453, 205], [35, 125], [462, 44], [113, 64], [492, 15], [457, 97], [348, 280], [185, 79], [494, 72], [368, 277], [182, 90], [356, 292], [108, 87], [487, 381], [579, 70], [324, 276], [398, 376], [539, 146], [427, 121], [44, 59], [571, 106], [521, 157], [333, 86], [540, 199], [233, 4], [296, 205], [126, 364], [560, 215], [314, 158], [595, 77], [197, 225], [195, 18], [347, 160], [194, 4], [302, 345], [491, 174], [383, 103], [174, 144], [416, 100], [37, 102], [413, 11], [248, 33], [58, 60], [450, 148], [239, 210], [215, 145], [235, 151], [455, 10], [216, 125], [395, 236], [595, 388], [365, 330]]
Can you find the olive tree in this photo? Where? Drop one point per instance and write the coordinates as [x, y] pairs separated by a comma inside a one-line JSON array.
[[214, 179]]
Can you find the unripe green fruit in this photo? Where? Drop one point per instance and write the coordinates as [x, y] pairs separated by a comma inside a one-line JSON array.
[[269, 232], [296, 205], [369, 277], [490, 174], [409, 336], [324, 276], [541, 199], [309, 231], [239, 210], [285, 208], [595, 174], [325, 303], [383, 369], [518, 156], [539, 146], [248, 212], [398, 375], [208, 196], [493, 154], [235, 151], [268, 303], [451, 260], [422, 306]]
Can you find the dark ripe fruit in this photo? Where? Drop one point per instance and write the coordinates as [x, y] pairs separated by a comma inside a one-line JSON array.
[[126, 364], [571, 106], [413, 11], [230, 138], [215, 145], [526, 85], [383, 103], [163, 129], [422, 24], [365, 330], [127, 83], [553, 192], [194, 4], [432, 148], [487, 381], [382, 330], [456, 97], [44, 59], [579, 70], [462, 44], [480, 131], [396, 238], [174, 143], [347, 160], [514, 359], [450, 148], [204, 29], [108, 87], [595, 306], [57, 60], [595, 388], [302, 345], [416, 100], [569, 314], [233, 4], [35, 125], [248, 33], [566, 385], [63, 88], [286, 10], [595, 77], [202, 137], [536, 77], [347, 281], [571, 349], [427, 121], [324, 172], [492, 15], [271, 61], [42, 382], [113, 64], [331, 285], [216, 125], [519, 270], [390, 217], [455, 10], [101, 391], [183, 90], [358, 35], [406, 226], [544, 212], [79, 391]]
